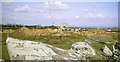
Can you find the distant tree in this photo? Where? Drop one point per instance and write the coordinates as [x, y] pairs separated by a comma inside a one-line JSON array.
[[53, 27]]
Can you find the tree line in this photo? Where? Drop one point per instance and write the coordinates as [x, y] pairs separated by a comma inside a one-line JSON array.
[[18, 26]]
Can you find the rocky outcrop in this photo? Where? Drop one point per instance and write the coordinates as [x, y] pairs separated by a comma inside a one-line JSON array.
[[30, 50], [82, 50], [107, 51]]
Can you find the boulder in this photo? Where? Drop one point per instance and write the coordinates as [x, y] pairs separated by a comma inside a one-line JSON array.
[[81, 49], [107, 51]]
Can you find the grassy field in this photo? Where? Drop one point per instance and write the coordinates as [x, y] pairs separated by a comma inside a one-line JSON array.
[[63, 42], [98, 46], [5, 54]]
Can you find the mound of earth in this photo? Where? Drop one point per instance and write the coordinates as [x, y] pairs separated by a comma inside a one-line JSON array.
[[44, 31], [96, 31], [102, 35], [23, 32], [8, 31], [91, 32]]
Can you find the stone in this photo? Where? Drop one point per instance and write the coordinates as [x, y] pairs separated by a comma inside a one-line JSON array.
[[107, 51], [81, 49]]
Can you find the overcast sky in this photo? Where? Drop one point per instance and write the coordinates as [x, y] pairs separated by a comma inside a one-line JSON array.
[[77, 14]]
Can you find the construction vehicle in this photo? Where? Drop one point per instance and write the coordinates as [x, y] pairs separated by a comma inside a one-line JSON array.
[[63, 28]]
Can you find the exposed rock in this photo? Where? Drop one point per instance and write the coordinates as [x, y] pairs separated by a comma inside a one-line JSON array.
[[35, 50], [107, 51], [31, 50], [57, 57], [81, 49]]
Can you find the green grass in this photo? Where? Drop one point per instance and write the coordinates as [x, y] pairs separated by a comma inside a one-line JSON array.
[[110, 46], [102, 38], [63, 42], [98, 48], [5, 54]]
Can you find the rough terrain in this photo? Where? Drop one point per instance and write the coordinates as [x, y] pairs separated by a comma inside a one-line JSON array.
[[30, 50]]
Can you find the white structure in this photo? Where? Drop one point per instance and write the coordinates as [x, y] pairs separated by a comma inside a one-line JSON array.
[[77, 30], [109, 29]]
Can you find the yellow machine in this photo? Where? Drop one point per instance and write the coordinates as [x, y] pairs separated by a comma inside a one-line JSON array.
[[62, 28]]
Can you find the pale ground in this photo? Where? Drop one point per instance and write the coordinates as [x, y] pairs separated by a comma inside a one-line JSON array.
[[30, 50]]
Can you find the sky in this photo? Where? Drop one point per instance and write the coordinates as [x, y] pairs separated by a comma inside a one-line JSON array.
[[75, 14]]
